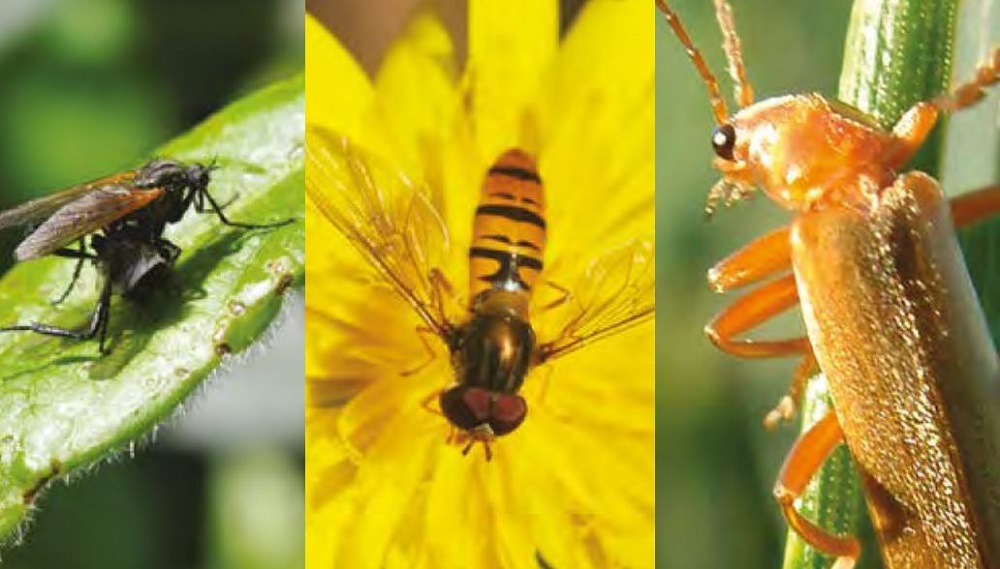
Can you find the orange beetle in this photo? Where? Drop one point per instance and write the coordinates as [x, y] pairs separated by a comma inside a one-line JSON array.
[[891, 316]]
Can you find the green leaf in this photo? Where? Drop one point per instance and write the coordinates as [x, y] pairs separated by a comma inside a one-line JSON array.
[[897, 52], [64, 406]]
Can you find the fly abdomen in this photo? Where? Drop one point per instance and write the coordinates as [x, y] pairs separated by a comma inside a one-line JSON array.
[[508, 233]]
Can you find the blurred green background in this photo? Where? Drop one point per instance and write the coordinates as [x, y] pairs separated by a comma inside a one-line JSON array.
[[90, 87], [716, 464]]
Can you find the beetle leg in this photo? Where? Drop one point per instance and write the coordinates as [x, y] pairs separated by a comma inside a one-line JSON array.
[[972, 91], [801, 464], [751, 310], [785, 409], [762, 257], [974, 206]]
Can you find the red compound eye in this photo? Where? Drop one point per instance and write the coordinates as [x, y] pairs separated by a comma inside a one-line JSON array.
[[469, 408], [508, 412]]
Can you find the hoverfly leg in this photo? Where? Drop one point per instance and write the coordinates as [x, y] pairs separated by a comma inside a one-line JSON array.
[[440, 288], [802, 463], [564, 296], [422, 332], [199, 206], [543, 385], [428, 405], [80, 255], [486, 447]]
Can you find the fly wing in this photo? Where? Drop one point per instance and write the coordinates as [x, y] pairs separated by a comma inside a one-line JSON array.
[[87, 214], [387, 218], [617, 292], [38, 209]]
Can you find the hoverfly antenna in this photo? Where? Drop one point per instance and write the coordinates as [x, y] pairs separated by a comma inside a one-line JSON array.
[[715, 96], [743, 92]]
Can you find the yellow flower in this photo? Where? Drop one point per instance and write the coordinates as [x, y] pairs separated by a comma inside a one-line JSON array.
[[573, 486]]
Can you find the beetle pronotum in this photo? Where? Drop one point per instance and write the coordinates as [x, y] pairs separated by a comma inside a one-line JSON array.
[[891, 316]]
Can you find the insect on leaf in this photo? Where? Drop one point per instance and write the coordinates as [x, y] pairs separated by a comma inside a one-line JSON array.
[[63, 405]]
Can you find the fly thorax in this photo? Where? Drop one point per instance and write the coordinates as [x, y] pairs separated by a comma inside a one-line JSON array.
[[494, 350]]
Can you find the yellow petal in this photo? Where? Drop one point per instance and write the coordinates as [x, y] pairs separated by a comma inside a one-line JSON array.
[[599, 110], [417, 102], [337, 91], [510, 45]]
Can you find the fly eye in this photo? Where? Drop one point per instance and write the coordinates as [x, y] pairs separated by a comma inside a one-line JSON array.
[[508, 413], [723, 141]]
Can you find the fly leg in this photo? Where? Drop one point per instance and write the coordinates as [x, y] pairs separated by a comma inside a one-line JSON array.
[[441, 288], [81, 255], [199, 206], [98, 323], [428, 403], [766, 256], [422, 333], [564, 296], [801, 464]]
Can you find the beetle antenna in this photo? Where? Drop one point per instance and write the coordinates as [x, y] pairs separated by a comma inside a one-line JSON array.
[[743, 91], [715, 96]]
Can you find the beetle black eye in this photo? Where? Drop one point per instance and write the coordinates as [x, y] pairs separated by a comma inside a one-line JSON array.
[[723, 141]]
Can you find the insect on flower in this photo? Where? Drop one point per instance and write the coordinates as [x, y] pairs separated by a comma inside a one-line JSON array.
[[494, 347], [124, 216], [892, 318]]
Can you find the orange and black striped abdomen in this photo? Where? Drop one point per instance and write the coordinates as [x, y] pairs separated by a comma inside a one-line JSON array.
[[508, 234]]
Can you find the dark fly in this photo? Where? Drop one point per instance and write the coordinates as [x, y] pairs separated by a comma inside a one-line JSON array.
[[117, 223]]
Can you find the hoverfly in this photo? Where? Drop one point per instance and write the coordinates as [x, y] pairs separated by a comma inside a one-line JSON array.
[[891, 316], [117, 222], [492, 343]]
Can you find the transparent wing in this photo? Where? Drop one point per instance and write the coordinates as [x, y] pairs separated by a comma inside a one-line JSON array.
[[617, 292], [87, 214], [38, 209], [386, 217]]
